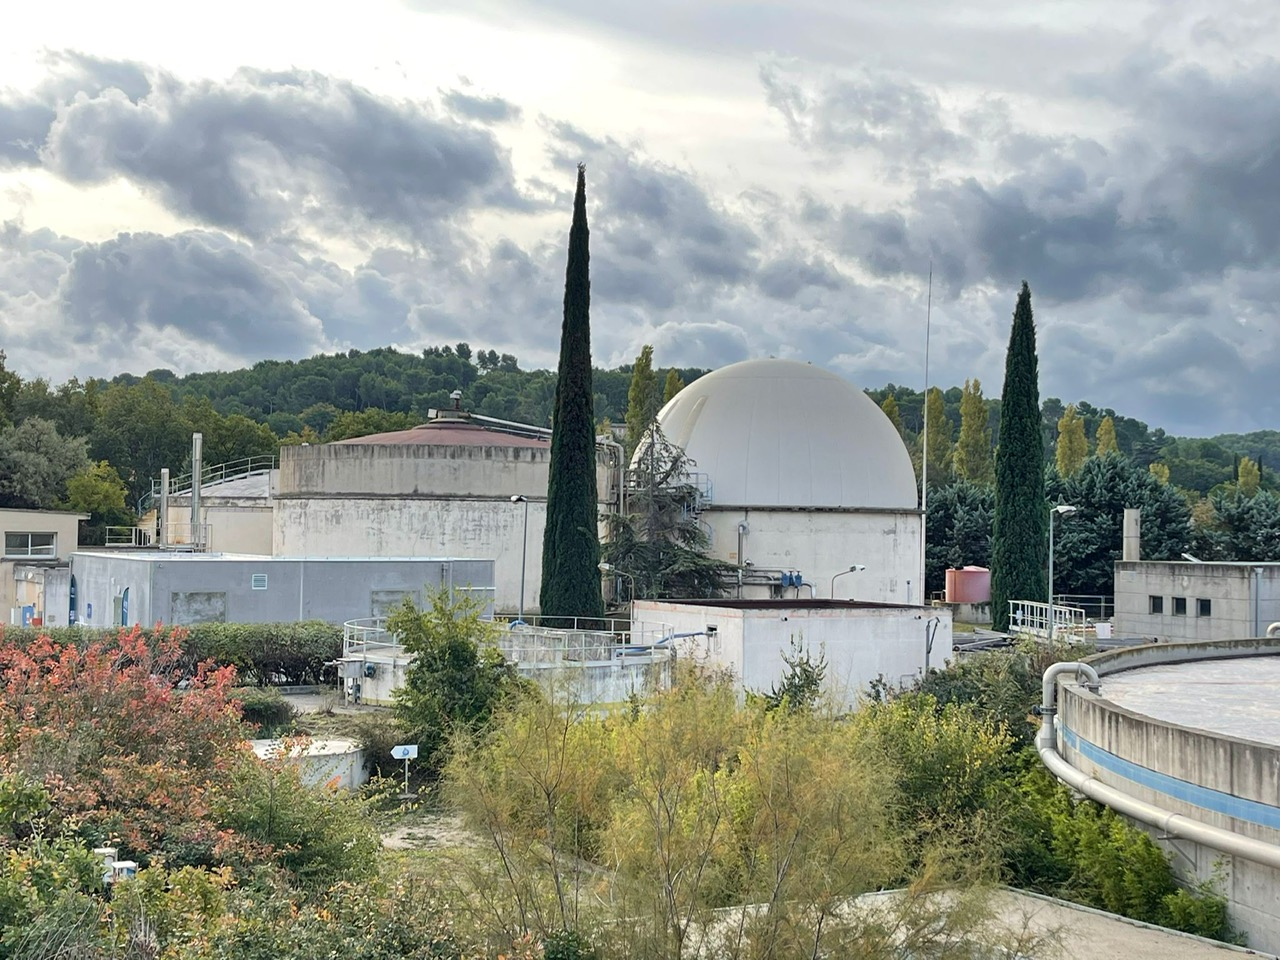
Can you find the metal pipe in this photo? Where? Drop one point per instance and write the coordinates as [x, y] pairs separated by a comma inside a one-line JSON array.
[[1170, 823], [743, 529], [1257, 598], [197, 467], [164, 507], [1274, 630], [524, 549]]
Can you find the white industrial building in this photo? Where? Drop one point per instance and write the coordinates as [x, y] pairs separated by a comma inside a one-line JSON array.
[[1182, 600], [803, 474], [861, 642], [459, 485]]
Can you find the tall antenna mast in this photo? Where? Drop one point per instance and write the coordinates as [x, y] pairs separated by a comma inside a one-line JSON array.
[[924, 442]]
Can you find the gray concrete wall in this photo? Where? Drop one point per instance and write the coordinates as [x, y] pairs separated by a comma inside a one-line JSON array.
[[387, 527], [1229, 588], [169, 588], [420, 470], [1089, 723]]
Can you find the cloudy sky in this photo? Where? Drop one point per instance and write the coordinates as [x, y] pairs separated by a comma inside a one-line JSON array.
[[200, 187]]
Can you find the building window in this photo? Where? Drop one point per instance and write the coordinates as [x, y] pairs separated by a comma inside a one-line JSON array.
[[1155, 604], [1179, 606], [30, 545], [1204, 608]]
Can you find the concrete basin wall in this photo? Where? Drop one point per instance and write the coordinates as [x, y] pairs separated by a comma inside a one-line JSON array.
[[1228, 782]]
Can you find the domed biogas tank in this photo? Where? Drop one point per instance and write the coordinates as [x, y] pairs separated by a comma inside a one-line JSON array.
[[789, 434]]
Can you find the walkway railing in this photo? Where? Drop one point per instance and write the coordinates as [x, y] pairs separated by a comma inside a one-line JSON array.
[[1032, 618], [214, 473], [527, 644]]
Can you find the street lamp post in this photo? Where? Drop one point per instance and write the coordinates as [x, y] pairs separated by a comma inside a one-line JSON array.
[[856, 568], [1065, 509], [524, 550], [610, 568]]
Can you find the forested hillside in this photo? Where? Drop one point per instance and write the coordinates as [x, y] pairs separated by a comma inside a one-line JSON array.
[[96, 445]]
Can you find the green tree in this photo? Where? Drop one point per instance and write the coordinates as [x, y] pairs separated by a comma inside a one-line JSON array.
[[959, 529], [457, 677], [1019, 548], [939, 434], [658, 543], [36, 464], [1105, 442], [890, 408], [642, 398], [973, 450], [98, 491], [1088, 544], [1250, 477], [1072, 448], [571, 544], [10, 385], [672, 386], [139, 430], [1160, 471]]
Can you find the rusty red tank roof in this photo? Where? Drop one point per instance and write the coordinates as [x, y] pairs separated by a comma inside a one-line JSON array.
[[451, 434]]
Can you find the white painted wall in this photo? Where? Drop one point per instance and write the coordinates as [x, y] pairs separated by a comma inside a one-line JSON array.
[[822, 543], [860, 643], [393, 527], [1228, 586]]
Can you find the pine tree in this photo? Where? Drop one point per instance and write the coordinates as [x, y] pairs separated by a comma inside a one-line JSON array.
[[890, 408], [673, 386], [940, 445], [1019, 548], [1105, 442], [642, 398], [973, 450], [1072, 449], [571, 544]]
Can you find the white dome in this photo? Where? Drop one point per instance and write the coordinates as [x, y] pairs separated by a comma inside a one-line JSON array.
[[783, 433]]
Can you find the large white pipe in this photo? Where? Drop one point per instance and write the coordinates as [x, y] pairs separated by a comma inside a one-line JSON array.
[[1169, 823], [1273, 630]]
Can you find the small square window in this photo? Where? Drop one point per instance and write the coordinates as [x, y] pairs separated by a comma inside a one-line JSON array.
[[1179, 606], [1155, 604], [1204, 607]]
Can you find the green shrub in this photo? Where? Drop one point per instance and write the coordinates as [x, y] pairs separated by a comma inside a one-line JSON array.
[[568, 945], [264, 654], [266, 709]]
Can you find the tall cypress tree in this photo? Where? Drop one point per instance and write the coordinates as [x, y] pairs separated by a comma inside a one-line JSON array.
[[571, 543], [1019, 544]]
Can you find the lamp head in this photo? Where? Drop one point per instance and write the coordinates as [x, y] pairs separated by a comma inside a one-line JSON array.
[[857, 568], [604, 567], [1064, 509], [517, 498]]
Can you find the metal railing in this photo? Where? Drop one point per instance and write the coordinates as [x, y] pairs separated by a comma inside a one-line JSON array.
[[526, 645], [129, 537], [1031, 617], [1095, 606], [215, 473], [186, 536]]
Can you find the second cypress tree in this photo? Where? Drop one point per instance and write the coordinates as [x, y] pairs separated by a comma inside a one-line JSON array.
[[571, 543], [1019, 537]]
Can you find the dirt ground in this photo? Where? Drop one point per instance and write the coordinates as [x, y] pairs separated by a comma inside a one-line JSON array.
[[430, 831]]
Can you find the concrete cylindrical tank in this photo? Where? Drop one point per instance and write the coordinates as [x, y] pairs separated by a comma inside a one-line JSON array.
[[969, 585]]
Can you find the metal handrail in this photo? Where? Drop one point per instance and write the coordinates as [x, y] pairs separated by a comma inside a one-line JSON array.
[[214, 473]]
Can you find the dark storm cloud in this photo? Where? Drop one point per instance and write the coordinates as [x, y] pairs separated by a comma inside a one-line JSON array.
[[786, 277], [482, 109], [834, 112], [199, 285], [263, 151], [658, 236]]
